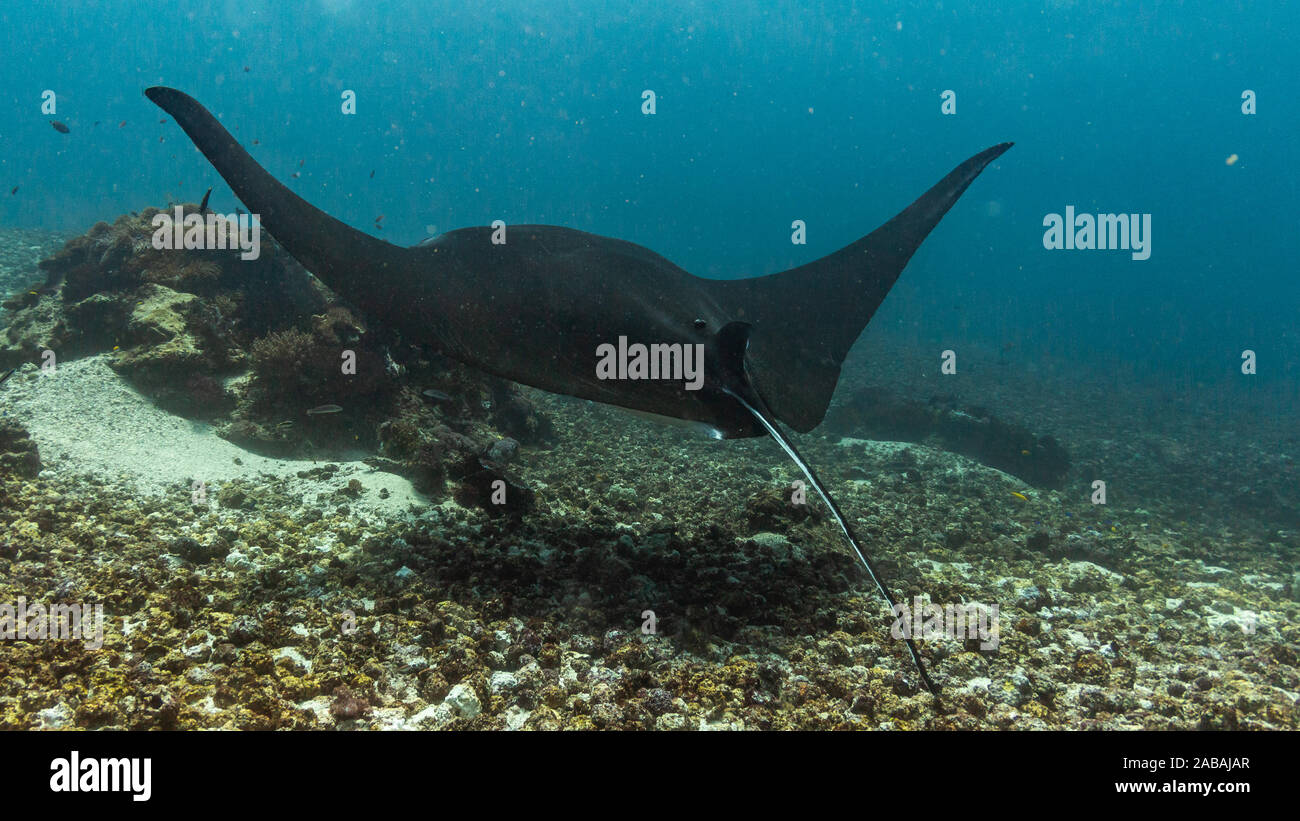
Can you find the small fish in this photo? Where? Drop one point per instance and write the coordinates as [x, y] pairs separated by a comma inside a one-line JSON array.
[[501, 451], [1022, 497], [257, 142], [295, 175], [203, 205], [321, 410], [13, 190], [372, 173], [1024, 453], [122, 124], [60, 127], [162, 122], [300, 162], [245, 69], [438, 395], [95, 123]]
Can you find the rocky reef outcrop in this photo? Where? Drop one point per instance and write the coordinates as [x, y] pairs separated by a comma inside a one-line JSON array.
[[265, 353]]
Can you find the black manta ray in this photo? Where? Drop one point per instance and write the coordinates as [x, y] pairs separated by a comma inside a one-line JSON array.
[[537, 308]]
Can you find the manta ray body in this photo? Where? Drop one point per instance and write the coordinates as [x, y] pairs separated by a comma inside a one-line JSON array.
[[538, 308]]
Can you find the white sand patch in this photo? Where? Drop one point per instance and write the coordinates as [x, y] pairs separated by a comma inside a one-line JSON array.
[[85, 419]]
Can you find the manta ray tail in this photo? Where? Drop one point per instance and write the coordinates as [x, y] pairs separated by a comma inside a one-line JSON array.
[[799, 325], [328, 248], [764, 418], [806, 319]]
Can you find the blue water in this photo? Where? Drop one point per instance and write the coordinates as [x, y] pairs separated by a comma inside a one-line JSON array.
[[766, 113]]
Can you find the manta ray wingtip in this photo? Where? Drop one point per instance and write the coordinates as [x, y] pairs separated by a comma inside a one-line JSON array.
[[163, 96], [996, 151]]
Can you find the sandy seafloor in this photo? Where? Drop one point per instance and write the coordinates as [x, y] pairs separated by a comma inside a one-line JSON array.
[[317, 595]]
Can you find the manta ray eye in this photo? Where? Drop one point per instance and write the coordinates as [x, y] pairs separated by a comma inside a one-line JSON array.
[[700, 323]]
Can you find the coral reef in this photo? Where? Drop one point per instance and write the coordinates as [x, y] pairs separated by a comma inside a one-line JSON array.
[[253, 347], [637, 578], [262, 609]]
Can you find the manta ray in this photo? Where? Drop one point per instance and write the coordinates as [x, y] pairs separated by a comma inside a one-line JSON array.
[[537, 308]]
